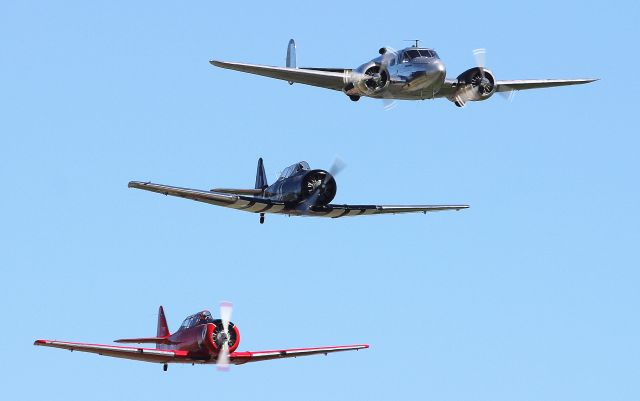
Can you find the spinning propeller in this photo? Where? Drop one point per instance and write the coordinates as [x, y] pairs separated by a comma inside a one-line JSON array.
[[480, 56], [377, 77], [318, 184], [226, 309], [481, 81]]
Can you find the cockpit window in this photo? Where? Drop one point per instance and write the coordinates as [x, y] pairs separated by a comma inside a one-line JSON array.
[[186, 322], [199, 318], [414, 53], [291, 170]]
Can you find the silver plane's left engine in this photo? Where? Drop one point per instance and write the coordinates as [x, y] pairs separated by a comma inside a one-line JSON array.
[[475, 84], [373, 79]]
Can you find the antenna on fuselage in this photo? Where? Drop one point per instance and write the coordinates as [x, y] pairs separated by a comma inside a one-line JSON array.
[[416, 44]]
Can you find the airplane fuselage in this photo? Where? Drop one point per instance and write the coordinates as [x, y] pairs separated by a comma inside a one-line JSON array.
[[202, 340], [410, 74], [302, 185]]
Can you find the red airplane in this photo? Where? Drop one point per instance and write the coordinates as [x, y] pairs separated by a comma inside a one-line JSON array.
[[200, 339]]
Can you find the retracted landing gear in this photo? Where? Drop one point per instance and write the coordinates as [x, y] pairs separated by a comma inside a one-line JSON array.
[[354, 98], [261, 218], [165, 367]]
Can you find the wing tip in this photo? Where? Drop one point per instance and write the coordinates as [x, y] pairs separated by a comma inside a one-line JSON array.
[[137, 184], [40, 342], [353, 347]]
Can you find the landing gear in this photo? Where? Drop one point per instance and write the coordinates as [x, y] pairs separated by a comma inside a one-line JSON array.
[[261, 218], [354, 98], [165, 367], [459, 103]]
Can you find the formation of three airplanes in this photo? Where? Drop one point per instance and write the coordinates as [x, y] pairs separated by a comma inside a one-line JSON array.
[[413, 73]]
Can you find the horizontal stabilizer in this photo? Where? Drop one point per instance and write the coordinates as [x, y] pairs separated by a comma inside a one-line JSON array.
[[144, 340]]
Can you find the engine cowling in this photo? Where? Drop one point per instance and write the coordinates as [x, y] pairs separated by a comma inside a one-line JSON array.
[[475, 84], [216, 336], [323, 183], [373, 79]]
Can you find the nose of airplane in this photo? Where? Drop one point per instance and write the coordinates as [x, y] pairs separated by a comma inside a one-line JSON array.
[[431, 73], [437, 69]]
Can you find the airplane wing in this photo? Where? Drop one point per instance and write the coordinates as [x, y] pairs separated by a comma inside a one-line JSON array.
[[261, 205], [234, 201], [521, 84], [330, 78], [335, 211], [134, 353], [239, 358], [449, 86]]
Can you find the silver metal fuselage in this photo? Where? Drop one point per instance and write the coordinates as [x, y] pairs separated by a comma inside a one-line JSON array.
[[418, 78]]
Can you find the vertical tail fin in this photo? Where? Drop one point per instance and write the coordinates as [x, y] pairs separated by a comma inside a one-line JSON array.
[[291, 54], [261, 176], [163, 329]]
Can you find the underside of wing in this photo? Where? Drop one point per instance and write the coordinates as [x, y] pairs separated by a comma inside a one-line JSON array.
[[335, 211], [234, 201], [330, 78], [239, 358], [447, 89], [522, 84], [134, 353]]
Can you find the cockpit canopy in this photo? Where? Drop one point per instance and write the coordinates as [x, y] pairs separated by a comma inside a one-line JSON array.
[[197, 319], [294, 168], [413, 53]]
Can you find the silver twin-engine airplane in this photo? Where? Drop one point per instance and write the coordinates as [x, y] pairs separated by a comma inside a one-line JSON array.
[[299, 191], [413, 73]]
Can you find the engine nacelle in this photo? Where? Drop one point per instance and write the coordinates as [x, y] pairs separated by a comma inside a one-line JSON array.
[[475, 84], [374, 79], [216, 336]]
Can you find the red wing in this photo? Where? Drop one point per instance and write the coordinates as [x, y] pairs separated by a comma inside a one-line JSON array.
[[135, 353], [239, 358]]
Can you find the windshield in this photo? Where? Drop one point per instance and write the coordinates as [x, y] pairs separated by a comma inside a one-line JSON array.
[[415, 53], [291, 170]]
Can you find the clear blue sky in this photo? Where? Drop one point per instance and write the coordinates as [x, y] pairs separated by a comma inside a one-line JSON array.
[[532, 294]]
